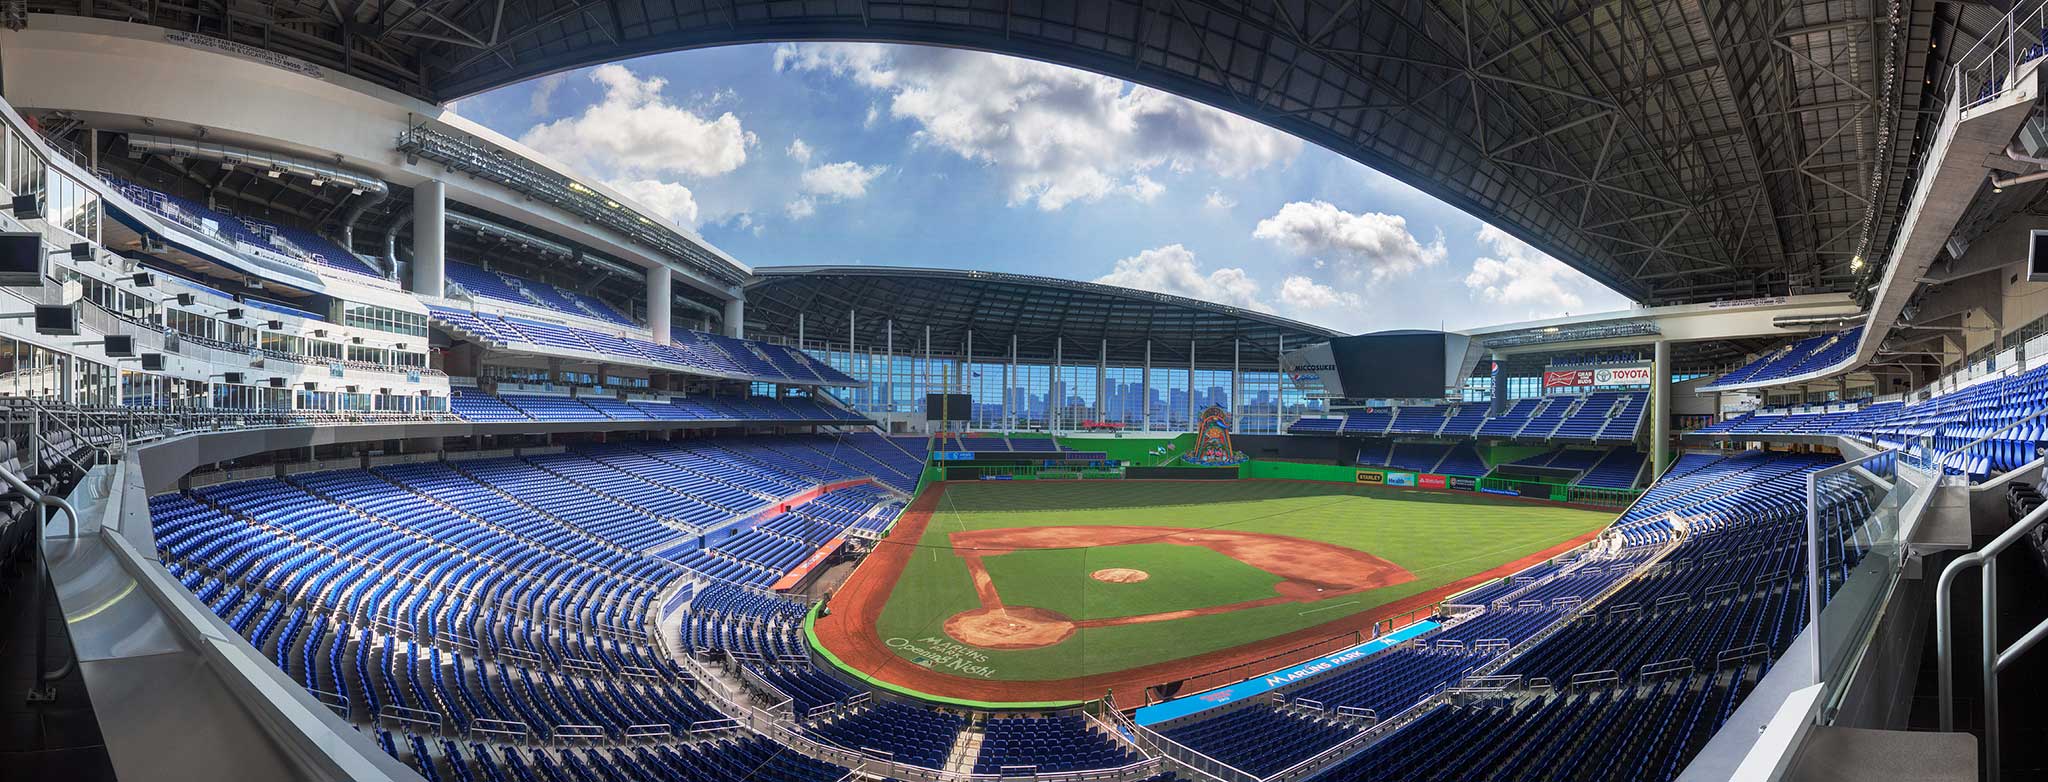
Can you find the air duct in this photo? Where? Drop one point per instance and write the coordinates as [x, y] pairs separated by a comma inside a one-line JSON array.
[[514, 235], [225, 154], [2019, 155], [1817, 321], [371, 190], [391, 244]]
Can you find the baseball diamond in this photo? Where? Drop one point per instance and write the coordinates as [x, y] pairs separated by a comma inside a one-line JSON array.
[[1032, 591]]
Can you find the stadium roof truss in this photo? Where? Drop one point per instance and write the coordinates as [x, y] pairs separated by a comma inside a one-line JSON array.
[[1081, 322], [1676, 150]]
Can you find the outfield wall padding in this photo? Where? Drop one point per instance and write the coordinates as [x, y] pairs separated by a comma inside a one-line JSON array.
[[1298, 471], [1181, 473]]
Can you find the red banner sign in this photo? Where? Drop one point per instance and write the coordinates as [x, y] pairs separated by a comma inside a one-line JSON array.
[[1568, 378], [1430, 481]]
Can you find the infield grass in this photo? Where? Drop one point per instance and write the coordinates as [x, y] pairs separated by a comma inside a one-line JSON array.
[[1440, 538]]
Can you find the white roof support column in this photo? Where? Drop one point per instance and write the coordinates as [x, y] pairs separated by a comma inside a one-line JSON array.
[[430, 239], [1660, 410], [736, 318], [660, 295]]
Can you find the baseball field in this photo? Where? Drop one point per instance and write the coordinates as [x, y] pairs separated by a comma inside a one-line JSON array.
[[1042, 591]]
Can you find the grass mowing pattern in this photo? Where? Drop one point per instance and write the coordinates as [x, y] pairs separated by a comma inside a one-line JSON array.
[[1438, 537]]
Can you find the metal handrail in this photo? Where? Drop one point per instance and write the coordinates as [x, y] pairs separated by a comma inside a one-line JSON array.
[[44, 689], [1942, 457], [1992, 658]]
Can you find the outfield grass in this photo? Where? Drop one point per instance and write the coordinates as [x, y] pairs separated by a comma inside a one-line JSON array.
[[1440, 538]]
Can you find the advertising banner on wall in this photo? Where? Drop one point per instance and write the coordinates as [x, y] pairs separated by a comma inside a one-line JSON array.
[[1567, 378], [1631, 375], [1374, 477], [1313, 371], [1400, 479], [1601, 377], [1462, 484], [1431, 481]]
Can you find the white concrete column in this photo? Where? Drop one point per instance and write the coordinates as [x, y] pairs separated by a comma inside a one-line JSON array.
[[1145, 382], [736, 318], [1101, 382], [660, 294], [1660, 409], [430, 238], [1236, 378]]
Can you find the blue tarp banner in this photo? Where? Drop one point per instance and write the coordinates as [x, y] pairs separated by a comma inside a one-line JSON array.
[[1184, 706]]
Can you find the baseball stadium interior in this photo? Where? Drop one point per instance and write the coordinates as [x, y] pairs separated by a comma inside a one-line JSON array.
[[346, 438]]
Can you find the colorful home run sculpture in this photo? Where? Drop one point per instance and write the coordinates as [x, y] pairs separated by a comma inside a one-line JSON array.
[[1212, 441]]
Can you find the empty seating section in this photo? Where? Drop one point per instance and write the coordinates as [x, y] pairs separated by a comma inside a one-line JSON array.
[[1418, 420], [1941, 428], [1617, 469], [1547, 417], [806, 687], [1319, 425], [1048, 744], [691, 350], [1376, 452], [908, 734], [1465, 422], [742, 353], [553, 408], [477, 406], [747, 624], [1627, 419], [1420, 457], [1511, 420], [276, 239], [1462, 459], [505, 286], [473, 406], [1368, 422], [1812, 354], [506, 596], [504, 616], [1261, 739]]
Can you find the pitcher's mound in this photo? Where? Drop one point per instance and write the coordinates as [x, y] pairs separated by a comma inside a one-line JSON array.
[[1009, 628], [1119, 575]]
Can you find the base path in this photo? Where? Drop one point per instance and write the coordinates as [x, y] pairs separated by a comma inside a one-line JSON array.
[[849, 632], [1310, 570]]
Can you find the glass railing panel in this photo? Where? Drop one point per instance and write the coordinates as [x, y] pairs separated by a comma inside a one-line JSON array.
[[1855, 511]]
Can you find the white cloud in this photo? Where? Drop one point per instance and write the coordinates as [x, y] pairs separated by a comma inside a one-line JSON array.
[[1173, 269], [1357, 246], [1056, 135], [831, 183], [1530, 283], [1218, 201], [1301, 293], [543, 92], [667, 199], [799, 151], [634, 131], [1144, 189], [839, 181]]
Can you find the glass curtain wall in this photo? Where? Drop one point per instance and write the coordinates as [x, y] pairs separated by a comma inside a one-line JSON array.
[[1034, 394]]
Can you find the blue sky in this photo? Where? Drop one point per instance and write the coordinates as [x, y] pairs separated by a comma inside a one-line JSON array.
[[903, 155]]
